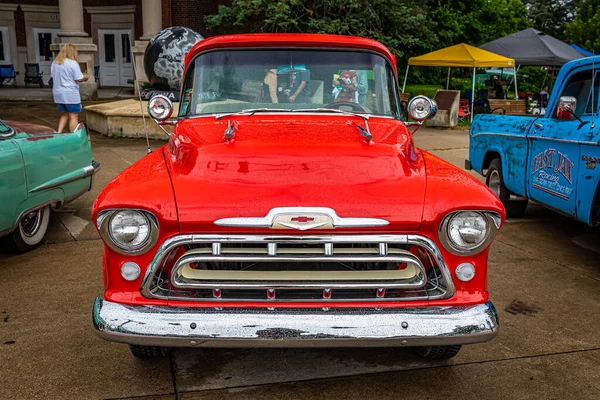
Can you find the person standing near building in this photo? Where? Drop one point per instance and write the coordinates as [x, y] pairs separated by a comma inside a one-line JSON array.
[[66, 76]]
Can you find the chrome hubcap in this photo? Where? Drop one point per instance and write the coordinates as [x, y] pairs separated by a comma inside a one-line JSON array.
[[30, 224], [494, 182]]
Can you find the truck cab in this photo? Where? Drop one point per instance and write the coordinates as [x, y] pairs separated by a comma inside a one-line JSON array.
[[551, 158]]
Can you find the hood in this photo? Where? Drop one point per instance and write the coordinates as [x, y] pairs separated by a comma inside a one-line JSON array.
[[27, 127], [312, 161]]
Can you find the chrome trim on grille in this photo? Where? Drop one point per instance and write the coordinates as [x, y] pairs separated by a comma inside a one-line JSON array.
[[413, 278], [171, 243], [335, 220]]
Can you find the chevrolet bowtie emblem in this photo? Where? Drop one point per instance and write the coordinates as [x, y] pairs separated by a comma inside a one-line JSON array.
[[301, 218], [302, 222]]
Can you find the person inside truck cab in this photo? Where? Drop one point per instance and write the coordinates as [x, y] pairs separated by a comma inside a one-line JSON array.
[[298, 89], [269, 88], [345, 86], [544, 95]]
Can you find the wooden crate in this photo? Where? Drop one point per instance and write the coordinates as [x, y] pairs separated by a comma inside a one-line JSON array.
[[513, 107]]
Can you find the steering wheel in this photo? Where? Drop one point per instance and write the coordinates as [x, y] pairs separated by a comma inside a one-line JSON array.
[[354, 106]]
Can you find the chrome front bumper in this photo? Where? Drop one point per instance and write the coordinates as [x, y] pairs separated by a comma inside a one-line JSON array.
[[334, 327]]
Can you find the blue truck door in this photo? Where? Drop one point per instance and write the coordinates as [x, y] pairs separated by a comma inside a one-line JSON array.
[[588, 179], [554, 156]]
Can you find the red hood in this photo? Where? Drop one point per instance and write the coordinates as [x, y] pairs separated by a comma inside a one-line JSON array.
[[311, 161], [30, 128]]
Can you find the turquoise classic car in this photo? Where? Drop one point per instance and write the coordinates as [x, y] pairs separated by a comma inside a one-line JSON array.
[[39, 170]]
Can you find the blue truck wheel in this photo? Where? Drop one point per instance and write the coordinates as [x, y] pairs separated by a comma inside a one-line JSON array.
[[495, 181]]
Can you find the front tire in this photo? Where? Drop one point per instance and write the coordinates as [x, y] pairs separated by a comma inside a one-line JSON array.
[[495, 181], [31, 230], [438, 352], [148, 352]]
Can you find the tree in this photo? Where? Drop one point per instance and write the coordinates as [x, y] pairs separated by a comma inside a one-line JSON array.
[[402, 25], [477, 21], [551, 16], [584, 30]]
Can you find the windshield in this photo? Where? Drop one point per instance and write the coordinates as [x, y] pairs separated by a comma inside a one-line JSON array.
[[230, 81]]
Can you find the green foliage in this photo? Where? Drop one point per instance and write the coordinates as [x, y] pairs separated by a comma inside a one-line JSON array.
[[476, 21], [427, 90], [403, 26], [551, 16], [462, 84], [584, 30], [531, 79]]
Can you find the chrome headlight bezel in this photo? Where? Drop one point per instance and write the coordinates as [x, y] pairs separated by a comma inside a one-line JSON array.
[[103, 222], [492, 219]]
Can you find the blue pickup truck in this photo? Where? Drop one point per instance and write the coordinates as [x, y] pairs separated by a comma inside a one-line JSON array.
[[552, 159]]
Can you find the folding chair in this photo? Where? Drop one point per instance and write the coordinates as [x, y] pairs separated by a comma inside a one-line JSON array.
[[33, 75], [464, 111], [8, 75]]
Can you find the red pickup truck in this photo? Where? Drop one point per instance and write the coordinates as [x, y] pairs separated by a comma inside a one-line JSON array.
[[290, 208]]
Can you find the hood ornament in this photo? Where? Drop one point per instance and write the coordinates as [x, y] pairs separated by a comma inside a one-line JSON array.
[[301, 218]]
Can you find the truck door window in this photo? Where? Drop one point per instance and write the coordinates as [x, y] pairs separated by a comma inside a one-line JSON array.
[[579, 86]]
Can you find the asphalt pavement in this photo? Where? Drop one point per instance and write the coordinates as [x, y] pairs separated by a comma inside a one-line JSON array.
[[544, 278]]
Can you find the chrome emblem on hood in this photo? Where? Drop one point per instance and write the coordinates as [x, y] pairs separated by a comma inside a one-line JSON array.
[[301, 218]]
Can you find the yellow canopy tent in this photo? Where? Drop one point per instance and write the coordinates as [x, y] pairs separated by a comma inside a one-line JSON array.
[[462, 56]]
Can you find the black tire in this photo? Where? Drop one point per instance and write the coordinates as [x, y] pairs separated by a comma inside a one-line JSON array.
[[495, 181], [30, 232], [148, 352], [438, 352]]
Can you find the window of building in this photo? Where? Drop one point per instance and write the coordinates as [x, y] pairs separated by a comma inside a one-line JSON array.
[[4, 46], [109, 48], [125, 48]]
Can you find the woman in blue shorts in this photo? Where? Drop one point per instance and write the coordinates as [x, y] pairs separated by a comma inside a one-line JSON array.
[[66, 76]]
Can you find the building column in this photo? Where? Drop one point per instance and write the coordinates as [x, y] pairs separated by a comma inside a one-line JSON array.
[[151, 25], [71, 31]]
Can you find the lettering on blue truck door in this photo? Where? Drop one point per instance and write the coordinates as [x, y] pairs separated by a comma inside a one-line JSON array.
[[549, 167], [554, 157]]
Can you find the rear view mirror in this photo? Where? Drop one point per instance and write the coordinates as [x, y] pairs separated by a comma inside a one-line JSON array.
[[566, 108], [421, 108], [160, 108]]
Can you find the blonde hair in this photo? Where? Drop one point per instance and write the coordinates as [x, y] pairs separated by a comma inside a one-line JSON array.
[[68, 51]]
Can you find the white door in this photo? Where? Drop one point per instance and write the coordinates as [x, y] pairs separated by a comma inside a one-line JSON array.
[[115, 57], [43, 38]]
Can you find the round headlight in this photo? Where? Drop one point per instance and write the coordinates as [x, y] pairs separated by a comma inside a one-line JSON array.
[[467, 230], [421, 107], [129, 229], [160, 107]]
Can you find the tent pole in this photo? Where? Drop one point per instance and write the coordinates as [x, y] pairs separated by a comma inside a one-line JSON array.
[[516, 90], [473, 95], [448, 80], [405, 78]]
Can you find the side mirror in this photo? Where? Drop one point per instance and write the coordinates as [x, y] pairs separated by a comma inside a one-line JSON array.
[[566, 108], [160, 108], [421, 108]]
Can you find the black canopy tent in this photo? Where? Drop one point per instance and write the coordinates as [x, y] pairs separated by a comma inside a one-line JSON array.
[[532, 47]]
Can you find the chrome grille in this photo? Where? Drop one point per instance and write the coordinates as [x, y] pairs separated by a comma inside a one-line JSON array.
[[297, 268]]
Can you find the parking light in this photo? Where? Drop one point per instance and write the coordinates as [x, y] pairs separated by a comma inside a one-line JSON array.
[[130, 271], [465, 272]]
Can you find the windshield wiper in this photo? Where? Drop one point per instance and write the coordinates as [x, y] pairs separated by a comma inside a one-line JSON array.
[[365, 132], [252, 111]]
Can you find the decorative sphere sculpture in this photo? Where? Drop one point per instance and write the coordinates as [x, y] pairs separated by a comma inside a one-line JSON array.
[[164, 56]]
